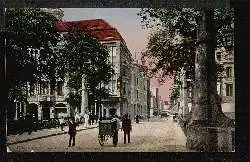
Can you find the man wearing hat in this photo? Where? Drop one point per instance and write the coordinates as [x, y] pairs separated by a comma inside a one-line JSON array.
[[116, 125]]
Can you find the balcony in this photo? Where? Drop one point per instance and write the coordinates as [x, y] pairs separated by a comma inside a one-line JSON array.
[[60, 98], [46, 98], [228, 79]]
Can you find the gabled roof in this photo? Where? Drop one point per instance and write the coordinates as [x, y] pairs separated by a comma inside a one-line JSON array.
[[98, 28]]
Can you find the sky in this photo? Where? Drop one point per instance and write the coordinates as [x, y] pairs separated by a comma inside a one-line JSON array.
[[126, 21]]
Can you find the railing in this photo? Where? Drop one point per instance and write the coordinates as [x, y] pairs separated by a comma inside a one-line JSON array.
[[46, 98], [228, 78], [60, 98]]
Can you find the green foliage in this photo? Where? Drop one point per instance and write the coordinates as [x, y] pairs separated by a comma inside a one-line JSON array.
[[83, 54], [171, 54], [28, 28], [74, 99], [175, 94]]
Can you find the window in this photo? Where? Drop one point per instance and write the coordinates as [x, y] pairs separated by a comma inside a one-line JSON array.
[[112, 51], [113, 86], [59, 88], [124, 90], [43, 88], [137, 81], [32, 89], [229, 89], [218, 55], [137, 94], [229, 72]]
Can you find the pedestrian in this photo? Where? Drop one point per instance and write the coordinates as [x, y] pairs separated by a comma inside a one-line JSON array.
[[29, 123], [93, 119], [116, 126], [126, 127], [72, 131], [61, 123], [137, 118], [21, 125], [90, 119], [96, 118]]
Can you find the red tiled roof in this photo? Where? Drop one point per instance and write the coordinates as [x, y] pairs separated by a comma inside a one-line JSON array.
[[97, 28]]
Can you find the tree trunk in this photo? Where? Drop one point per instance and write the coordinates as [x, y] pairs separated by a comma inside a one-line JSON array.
[[206, 113], [207, 110], [203, 78]]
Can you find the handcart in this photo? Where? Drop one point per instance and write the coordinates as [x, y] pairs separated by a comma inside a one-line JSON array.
[[106, 131]]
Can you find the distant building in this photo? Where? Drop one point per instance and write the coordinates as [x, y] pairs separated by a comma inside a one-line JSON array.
[[161, 105], [139, 90], [157, 103], [226, 84], [153, 104]]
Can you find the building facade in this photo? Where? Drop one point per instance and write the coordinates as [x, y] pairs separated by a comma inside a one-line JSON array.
[[157, 102], [128, 86], [119, 56], [139, 91], [226, 84]]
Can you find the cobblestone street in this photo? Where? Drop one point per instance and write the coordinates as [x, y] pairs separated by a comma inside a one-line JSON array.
[[157, 135]]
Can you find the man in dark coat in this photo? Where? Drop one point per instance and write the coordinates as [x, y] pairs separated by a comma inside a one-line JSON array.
[[126, 127], [29, 123], [72, 131], [115, 126], [137, 118]]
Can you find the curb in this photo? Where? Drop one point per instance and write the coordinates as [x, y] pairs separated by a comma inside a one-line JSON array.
[[50, 135]]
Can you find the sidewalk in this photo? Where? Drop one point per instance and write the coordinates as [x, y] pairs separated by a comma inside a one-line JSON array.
[[44, 133]]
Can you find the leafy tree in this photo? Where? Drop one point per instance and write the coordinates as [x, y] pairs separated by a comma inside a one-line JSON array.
[[28, 29], [25, 29], [175, 94], [173, 42], [83, 54]]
